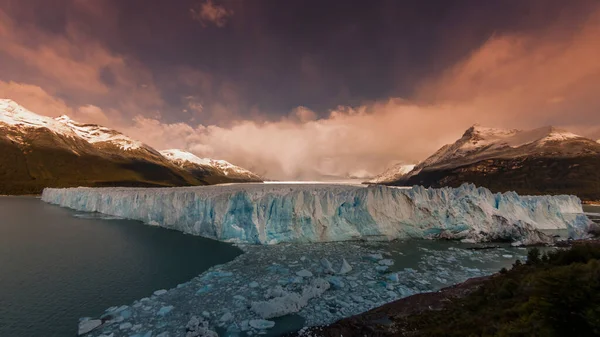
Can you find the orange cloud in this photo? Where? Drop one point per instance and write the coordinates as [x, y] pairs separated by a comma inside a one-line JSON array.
[[208, 12], [511, 81]]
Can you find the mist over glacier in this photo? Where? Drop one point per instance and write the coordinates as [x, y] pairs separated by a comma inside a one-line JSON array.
[[270, 214]]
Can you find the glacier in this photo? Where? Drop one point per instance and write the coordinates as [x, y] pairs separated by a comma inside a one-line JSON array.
[[277, 213]]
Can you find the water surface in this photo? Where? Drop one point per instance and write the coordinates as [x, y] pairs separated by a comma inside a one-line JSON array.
[[57, 265]]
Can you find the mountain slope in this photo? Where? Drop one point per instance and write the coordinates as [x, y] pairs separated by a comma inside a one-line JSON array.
[[541, 161], [40, 152], [392, 174], [210, 170]]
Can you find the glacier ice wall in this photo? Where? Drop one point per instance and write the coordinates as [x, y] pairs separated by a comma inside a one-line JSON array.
[[271, 213]]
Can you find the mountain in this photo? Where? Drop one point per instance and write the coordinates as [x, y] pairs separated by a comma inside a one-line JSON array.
[[39, 151], [393, 173], [541, 161], [210, 170]]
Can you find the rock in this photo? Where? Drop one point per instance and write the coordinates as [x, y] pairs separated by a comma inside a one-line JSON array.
[[165, 310], [261, 324], [304, 273], [345, 268], [160, 292], [88, 325]]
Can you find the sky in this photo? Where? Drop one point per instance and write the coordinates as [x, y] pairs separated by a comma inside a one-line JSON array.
[[305, 89]]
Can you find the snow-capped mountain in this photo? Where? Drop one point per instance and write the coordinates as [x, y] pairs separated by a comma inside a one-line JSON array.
[[392, 174], [546, 159], [98, 134], [39, 151], [220, 170]]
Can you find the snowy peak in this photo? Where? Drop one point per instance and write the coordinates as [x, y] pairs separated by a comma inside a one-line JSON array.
[[393, 173], [98, 134], [14, 115], [181, 158]]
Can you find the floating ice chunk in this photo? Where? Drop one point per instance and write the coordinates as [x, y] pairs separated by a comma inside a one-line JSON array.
[[226, 317], [204, 289], [289, 302], [165, 310], [261, 324], [381, 269], [374, 257], [88, 325], [345, 268], [253, 284], [199, 328], [386, 262], [304, 273], [125, 326], [335, 281], [507, 256], [357, 298], [160, 292], [146, 334], [328, 268], [393, 277], [239, 297]]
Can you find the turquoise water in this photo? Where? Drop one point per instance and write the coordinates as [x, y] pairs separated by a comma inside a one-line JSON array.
[[57, 265]]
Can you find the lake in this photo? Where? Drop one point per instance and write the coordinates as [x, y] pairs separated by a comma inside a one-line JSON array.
[[57, 265]]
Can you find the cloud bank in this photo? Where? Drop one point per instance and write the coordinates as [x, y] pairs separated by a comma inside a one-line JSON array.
[[546, 77]]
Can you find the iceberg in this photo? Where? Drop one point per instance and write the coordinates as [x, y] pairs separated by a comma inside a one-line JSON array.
[[272, 213]]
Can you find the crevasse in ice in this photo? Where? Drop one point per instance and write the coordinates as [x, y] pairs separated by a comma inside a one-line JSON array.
[[269, 214]]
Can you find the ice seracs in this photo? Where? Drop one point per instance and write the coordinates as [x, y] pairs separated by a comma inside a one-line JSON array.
[[270, 214]]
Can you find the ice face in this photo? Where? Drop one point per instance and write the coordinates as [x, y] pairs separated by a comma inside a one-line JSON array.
[[269, 214]]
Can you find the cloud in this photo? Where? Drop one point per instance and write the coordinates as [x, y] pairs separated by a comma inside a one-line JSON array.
[[511, 80], [515, 81], [208, 12], [76, 67]]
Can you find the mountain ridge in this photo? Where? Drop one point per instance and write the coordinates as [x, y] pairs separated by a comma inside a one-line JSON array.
[[40, 151], [545, 160]]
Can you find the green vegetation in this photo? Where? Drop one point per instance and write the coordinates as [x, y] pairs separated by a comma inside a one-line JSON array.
[[556, 294]]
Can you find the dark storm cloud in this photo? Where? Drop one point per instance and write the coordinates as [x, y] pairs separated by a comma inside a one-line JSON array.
[[360, 78]]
